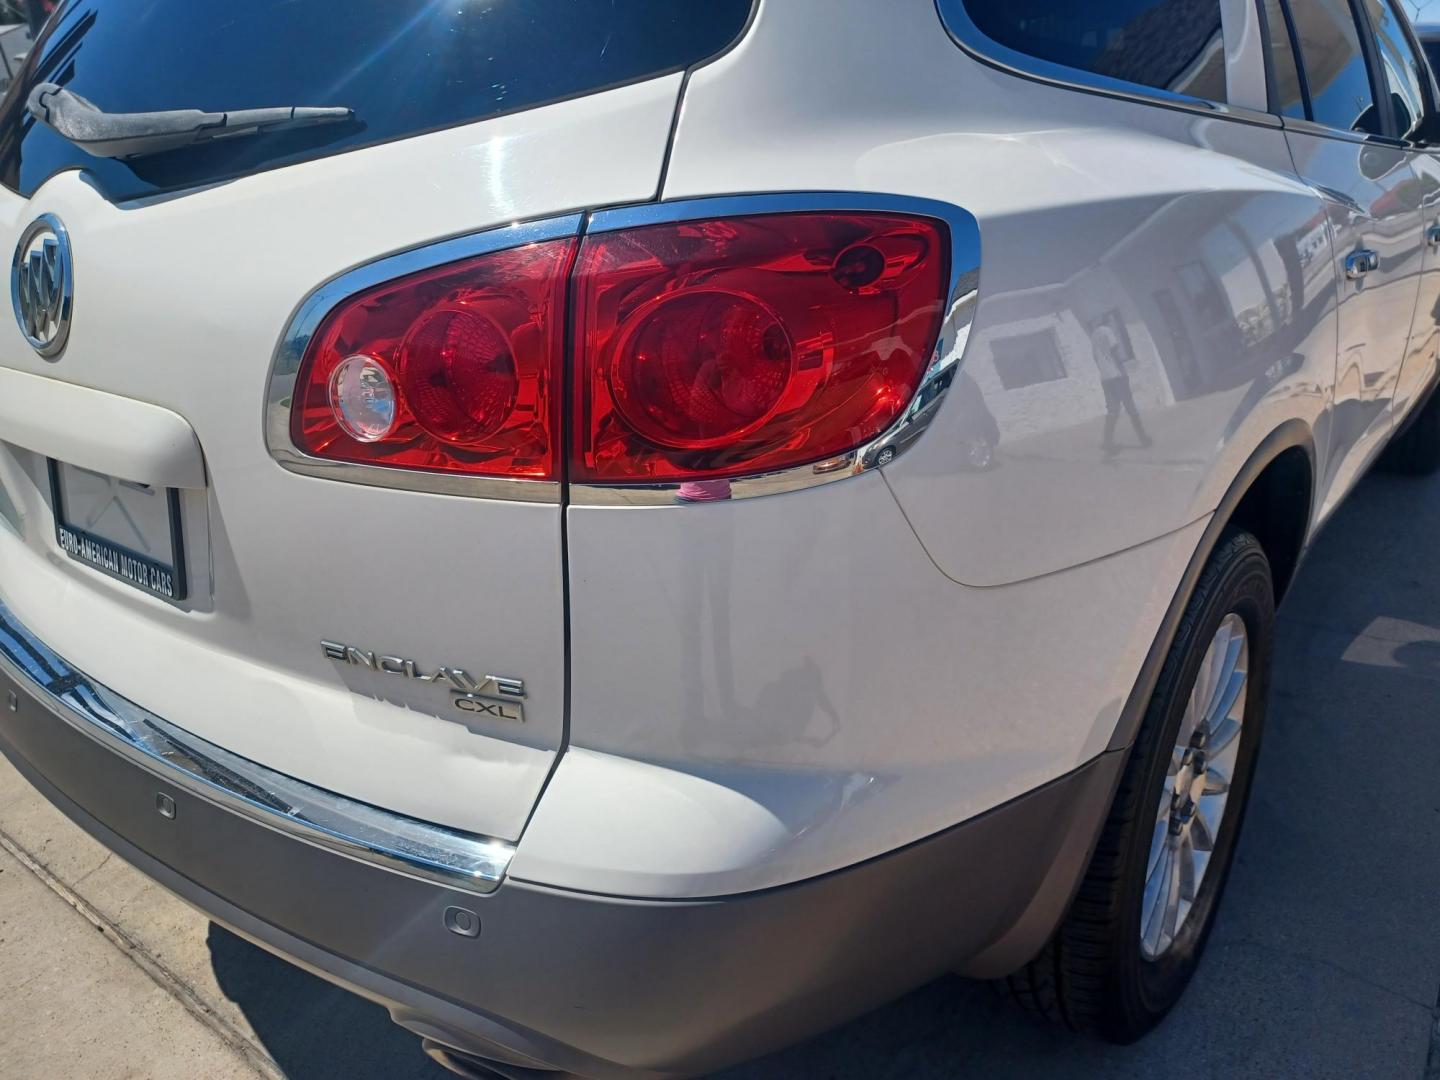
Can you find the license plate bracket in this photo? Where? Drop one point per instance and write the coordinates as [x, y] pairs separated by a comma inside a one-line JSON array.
[[128, 531]]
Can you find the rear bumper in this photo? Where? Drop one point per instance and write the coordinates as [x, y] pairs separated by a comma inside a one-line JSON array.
[[589, 984]]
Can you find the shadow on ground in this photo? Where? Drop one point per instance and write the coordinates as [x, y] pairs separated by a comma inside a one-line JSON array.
[[1326, 957], [314, 1030]]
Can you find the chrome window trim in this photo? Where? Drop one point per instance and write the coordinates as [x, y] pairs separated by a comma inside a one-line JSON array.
[[1301, 126], [418, 849], [964, 233], [973, 41], [312, 312]]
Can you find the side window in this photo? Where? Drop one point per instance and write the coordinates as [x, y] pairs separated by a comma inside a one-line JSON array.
[[1174, 45], [1284, 69], [1335, 70], [1402, 67], [1432, 52]]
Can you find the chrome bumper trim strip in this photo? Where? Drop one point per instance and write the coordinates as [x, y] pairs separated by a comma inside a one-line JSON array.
[[419, 849]]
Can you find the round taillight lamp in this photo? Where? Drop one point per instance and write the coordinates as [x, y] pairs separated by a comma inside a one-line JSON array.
[[701, 369], [458, 375], [362, 397]]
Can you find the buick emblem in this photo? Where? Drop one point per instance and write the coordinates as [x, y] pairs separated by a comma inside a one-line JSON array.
[[42, 284]]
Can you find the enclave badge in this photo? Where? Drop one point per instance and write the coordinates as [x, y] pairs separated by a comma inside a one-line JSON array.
[[494, 696], [42, 284]]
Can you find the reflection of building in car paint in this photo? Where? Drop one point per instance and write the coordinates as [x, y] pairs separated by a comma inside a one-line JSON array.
[[1028, 358], [1167, 303]]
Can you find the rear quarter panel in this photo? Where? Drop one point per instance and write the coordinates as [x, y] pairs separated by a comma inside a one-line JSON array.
[[1190, 235], [802, 681]]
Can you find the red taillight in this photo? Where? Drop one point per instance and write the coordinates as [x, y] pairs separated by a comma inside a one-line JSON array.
[[736, 346], [705, 349], [454, 369]]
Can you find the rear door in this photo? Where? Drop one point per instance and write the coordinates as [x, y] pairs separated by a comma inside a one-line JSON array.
[[188, 266], [1345, 145], [1413, 93]]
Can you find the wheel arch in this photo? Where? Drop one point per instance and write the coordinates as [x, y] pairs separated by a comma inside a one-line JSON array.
[[1258, 499], [1271, 496]]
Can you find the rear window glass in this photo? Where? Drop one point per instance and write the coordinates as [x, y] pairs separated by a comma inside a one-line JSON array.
[[403, 66], [1174, 45]]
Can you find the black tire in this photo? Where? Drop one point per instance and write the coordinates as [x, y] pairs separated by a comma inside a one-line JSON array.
[[1092, 976], [1416, 450]]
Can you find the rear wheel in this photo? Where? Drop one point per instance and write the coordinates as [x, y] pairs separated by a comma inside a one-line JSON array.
[[1132, 938], [1416, 451]]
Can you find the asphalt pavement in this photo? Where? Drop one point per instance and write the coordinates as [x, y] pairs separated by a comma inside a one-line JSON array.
[[1325, 961]]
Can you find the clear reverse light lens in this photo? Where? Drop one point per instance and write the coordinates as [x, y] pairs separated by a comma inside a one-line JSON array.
[[456, 369], [363, 398]]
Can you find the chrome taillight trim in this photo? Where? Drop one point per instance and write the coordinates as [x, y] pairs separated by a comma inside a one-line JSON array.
[[419, 849], [964, 233], [311, 313]]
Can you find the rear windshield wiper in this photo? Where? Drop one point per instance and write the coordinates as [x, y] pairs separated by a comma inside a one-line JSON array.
[[123, 135]]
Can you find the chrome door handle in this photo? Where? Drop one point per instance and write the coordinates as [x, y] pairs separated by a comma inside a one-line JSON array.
[[1432, 236], [1359, 263]]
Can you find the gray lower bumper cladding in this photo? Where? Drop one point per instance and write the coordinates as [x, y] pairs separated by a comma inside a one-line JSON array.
[[594, 985]]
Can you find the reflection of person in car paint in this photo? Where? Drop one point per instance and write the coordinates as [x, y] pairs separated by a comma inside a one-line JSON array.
[[1115, 382]]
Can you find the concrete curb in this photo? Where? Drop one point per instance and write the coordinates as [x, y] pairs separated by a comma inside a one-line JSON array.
[[156, 969]]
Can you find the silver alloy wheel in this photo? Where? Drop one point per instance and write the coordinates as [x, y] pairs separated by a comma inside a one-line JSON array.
[[1196, 789]]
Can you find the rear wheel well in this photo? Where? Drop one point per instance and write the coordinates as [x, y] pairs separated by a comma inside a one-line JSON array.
[[1271, 501], [1276, 510]]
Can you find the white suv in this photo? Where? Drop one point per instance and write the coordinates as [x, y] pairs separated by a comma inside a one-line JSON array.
[[631, 532]]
